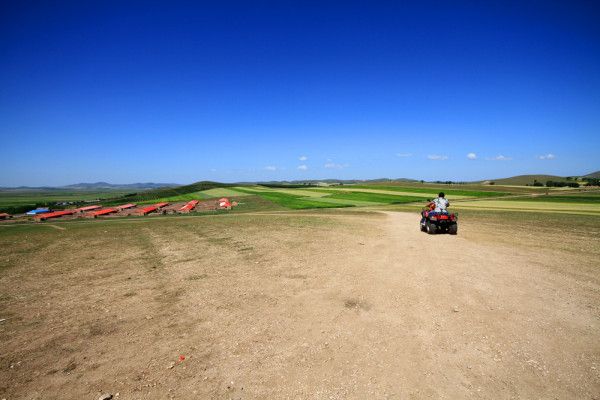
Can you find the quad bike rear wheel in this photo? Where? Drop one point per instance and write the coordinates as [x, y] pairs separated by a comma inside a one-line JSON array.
[[431, 228], [453, 229]]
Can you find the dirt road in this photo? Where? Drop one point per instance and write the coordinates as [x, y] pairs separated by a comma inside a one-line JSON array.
[[314, 307]]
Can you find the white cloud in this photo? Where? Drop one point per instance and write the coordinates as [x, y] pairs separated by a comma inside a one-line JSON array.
[[271, 168], [403, 155], [302, 158], [548, 156], [437, 157], [332, 165], [302, 167], [472, 156], [499, 157]]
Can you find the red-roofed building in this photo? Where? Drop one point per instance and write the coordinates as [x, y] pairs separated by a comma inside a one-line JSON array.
[[224, 203], [87, 208]]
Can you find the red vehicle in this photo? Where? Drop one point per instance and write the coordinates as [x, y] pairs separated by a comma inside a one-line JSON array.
[[434, 222]]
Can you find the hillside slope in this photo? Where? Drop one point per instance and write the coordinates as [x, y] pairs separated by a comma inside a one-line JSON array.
[[527, 179], [593, 175], [169, 192]]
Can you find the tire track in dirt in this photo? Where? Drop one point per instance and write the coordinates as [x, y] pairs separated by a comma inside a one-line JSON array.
[[494, 318], [193, 294], [384, 311]]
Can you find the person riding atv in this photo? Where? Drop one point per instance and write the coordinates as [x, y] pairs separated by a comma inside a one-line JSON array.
[[435, 217], [440, 204]]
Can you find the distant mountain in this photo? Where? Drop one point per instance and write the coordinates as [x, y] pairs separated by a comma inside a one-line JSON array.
[[95, 186], [593, 175], [133, 186]]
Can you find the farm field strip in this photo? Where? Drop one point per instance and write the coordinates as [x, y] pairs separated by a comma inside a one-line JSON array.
[[223, 192], [294, 192], [528, 187], [567, 198], [534, 210], [450, 192], [314, 197], [293, 201], [391, 192], [349, 193], [520, 205], [341, 197], [375, 197], [357, 203]]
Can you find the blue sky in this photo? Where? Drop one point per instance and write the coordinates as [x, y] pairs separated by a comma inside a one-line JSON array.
[[187, 91]]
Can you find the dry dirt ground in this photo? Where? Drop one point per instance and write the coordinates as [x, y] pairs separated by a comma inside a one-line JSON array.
[[294, 306]]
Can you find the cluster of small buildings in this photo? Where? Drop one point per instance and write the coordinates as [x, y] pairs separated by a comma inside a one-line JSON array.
[[95, 211]]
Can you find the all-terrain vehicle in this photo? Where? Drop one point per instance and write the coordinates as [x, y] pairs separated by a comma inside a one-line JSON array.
[[434, 222]]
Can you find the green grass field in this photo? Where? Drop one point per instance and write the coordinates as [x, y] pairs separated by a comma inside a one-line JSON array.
[[432, 190], [224, 192], [583, 208], [373, 197], [291, 201], [320, 198], [566, 198], [564, 202]]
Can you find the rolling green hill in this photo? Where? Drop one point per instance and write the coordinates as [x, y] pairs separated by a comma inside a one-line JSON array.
[[593, 175], [178, 191], [522, 180]]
